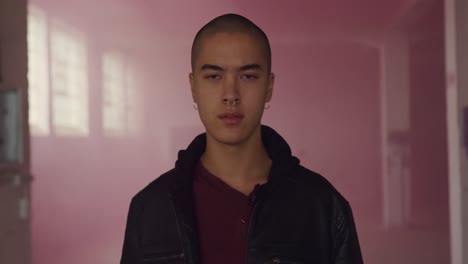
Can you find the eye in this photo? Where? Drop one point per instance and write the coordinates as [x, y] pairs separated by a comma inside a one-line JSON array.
[[213, 77], [249, 77]]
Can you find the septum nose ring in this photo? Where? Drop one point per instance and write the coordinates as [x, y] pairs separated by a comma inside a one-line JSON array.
[[231, 102]]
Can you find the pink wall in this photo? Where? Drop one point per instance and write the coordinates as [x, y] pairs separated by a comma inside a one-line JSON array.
[[325, 103]]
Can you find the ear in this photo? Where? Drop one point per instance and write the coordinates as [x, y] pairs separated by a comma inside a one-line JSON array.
[[271, 82], [192, 88]]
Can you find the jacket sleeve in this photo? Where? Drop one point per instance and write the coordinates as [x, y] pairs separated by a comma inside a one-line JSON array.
[[346, 243], [130, 251]]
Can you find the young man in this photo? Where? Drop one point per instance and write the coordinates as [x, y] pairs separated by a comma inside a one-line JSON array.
[[236, 194]]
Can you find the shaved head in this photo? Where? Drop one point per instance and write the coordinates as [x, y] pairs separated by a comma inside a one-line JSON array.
[[230, 23]]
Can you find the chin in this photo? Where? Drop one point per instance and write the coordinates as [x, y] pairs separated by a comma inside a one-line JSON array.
[[231, 136], [231, 141]]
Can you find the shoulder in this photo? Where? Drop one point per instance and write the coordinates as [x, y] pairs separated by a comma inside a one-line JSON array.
[[314, 185], [158, 189]]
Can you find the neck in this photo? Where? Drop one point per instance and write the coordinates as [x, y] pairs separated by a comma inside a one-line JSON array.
[[241, 166]]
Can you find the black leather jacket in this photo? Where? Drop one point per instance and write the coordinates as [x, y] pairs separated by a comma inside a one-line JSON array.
[[298, 217]]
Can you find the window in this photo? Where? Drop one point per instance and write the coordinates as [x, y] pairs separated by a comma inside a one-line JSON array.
[[113, 97], [121, 103], [69, 81], [38, 74]]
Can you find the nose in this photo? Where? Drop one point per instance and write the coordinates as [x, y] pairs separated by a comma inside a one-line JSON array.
[[231, 94], [231, 102]]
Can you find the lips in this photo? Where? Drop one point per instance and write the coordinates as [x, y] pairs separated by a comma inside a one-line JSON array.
[[231, 115], [231, 118]]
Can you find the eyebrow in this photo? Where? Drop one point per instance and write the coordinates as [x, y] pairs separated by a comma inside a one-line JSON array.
[[211, 67], [251, 67], [247, 67]]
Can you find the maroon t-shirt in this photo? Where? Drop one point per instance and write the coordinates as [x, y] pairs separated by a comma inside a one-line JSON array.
[[223, 215]]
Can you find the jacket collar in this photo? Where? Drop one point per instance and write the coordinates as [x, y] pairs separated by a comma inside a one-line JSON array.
[[276, 147]]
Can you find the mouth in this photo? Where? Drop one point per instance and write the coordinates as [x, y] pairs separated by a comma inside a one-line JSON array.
[[231, 118]]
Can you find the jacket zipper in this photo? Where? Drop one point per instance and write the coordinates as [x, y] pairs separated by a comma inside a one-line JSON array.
[[167, 258], [251, 222], [180, 233], [280, 260]]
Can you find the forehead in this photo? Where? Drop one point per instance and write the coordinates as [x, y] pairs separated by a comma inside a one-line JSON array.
[[231, 49]]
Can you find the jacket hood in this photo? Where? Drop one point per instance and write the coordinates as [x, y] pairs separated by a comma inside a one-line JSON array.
[[276, 147]]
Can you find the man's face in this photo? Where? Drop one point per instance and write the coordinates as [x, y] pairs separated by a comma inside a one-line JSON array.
[[231, 68]]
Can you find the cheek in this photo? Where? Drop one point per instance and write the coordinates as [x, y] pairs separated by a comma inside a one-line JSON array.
[[208, 106], [254, 96], [206, 95], [254, 107]]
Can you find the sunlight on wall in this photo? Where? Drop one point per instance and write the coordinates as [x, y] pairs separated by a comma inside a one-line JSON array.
[[113, 91], [38, 74], [59, 83], [69, 81], [134, 103], [121, 104]]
